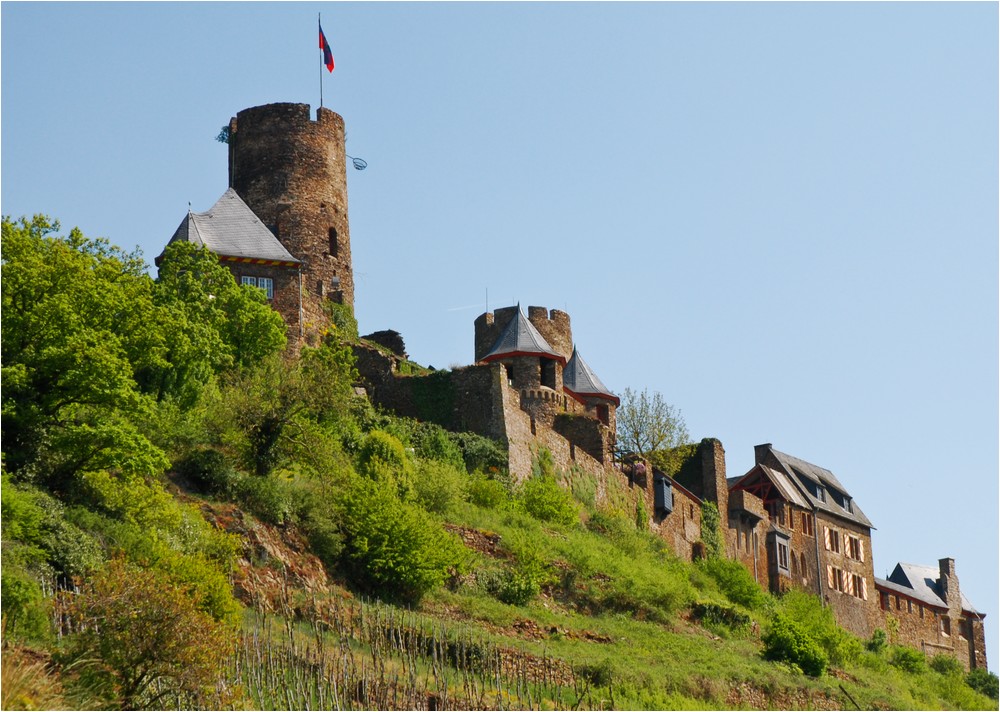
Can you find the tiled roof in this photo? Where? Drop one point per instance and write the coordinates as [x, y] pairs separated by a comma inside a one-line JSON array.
[[579, 379], [521, 338], [796, 469], [230, 229]]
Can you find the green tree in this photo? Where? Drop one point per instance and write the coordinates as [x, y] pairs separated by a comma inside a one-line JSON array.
[[145, 639], [648, 424]]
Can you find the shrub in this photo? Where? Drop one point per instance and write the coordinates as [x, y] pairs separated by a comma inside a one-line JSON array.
[[984, 682], [266, 497], [432, 442], [818, 623], [787, 642], [481, 453], [383, 457], [210, 471], [144, 638], [878, 642], [394, 549], [487, 493], [946, 665], [544, 499], [711, 530], [439, 486], [514, 586], [25, 610], [735, 582], [907, 659]]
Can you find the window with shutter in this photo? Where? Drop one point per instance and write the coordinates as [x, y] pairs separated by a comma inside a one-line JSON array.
[[826, 537], [829, 576]]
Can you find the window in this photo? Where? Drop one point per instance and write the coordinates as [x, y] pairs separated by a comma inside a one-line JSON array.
[[791, 517], [835, 578], [332, 234], [858, 587], [807, 523], [899, 603], [884, 600], [965, 629], [803, 569], [795, 565], [776, 510], [548, 374], [855, 548], [920, 610], [265, 283], [831, 537], [782, 556], [946, 626], [909, 606]]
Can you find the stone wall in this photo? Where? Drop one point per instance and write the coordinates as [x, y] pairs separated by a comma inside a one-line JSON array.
[[857, 615], [291, 171], [286, 291]]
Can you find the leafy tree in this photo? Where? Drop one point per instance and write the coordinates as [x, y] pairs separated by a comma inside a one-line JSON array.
[[648, 424], [145, 639], [546, 500]]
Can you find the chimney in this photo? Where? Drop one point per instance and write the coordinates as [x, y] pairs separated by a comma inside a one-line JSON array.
[[760, 452], [713, 471], [949, 583]]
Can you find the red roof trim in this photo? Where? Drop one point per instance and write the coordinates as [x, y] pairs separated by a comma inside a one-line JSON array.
[[512, 354], [580, 396]]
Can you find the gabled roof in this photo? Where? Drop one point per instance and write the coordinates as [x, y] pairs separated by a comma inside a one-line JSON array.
[[231, 230], [521, 338], [796, 469], [922, 583], [580, 380]]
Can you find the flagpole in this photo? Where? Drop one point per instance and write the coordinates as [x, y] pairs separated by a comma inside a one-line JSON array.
[[319, 26]]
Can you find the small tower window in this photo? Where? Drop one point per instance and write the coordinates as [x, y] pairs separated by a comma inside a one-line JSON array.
[[332, 234], [548, 373]]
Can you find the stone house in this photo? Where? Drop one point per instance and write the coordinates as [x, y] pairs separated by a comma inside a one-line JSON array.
[[925, 608], [802, 529]]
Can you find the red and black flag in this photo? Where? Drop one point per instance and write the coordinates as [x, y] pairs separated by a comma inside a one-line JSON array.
[[327, 52]]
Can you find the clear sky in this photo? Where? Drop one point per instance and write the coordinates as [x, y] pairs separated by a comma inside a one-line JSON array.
[[783, 217]]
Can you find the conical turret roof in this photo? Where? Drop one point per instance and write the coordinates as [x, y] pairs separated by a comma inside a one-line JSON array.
[[580, 380], [521, 338]]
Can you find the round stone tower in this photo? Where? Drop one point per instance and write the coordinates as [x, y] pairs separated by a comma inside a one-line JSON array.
[[292, 172]]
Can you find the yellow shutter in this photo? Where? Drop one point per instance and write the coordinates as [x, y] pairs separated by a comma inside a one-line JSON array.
[[861, 547], [829, 575], [846, 550], [864, 589], [826, 537]]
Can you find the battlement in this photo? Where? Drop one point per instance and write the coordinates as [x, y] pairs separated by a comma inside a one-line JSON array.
[[553, 325]]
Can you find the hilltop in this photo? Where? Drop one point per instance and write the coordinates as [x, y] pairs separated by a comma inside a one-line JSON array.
[[195, 515]]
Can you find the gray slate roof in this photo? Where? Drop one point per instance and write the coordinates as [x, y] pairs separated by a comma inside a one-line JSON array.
[[921, 583], [796, 468], [580, 379], [230, 229], [521, 338]]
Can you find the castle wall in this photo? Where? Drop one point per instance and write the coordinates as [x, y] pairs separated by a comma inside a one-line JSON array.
[[554, 326], [859, 615], [291, 171]]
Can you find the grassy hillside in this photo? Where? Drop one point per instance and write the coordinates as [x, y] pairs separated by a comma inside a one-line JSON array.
[[194, 518]]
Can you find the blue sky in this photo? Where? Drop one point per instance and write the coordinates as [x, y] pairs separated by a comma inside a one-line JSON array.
[[783, 217]]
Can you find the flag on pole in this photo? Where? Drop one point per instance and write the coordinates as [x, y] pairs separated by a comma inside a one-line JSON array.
[[327, 52]]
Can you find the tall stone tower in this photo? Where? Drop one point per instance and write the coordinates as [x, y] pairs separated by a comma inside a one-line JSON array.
[[291, 171]]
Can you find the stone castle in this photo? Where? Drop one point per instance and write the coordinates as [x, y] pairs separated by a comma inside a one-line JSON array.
[[282, 225]]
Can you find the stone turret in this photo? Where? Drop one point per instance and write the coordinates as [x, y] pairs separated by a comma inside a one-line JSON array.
[[291, 171]]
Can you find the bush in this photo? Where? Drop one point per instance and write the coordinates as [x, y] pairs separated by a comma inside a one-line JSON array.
[[946, 665], [266, 497], [735, 582], [144, 638], [439, 487], [984, 682], [210, 472], [907, 659], [487, 493], [787, 642], [481, 453], [818, 623], [394, 549], [878, 642], [544, 499], [433, 443], [383, 457], [25, 610], [714, 615], [515, 586]]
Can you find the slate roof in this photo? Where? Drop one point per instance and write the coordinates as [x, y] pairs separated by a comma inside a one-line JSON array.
[[521, 338], [579, 379], [797, 469], [921, 583], [230, 229]]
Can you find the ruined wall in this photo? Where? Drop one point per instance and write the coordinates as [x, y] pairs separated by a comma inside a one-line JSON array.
[[746, 526], [291, 171], [554, 326], [585, 433]]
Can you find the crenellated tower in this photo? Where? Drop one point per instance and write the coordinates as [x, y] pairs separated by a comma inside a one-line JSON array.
[[291, 171]]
